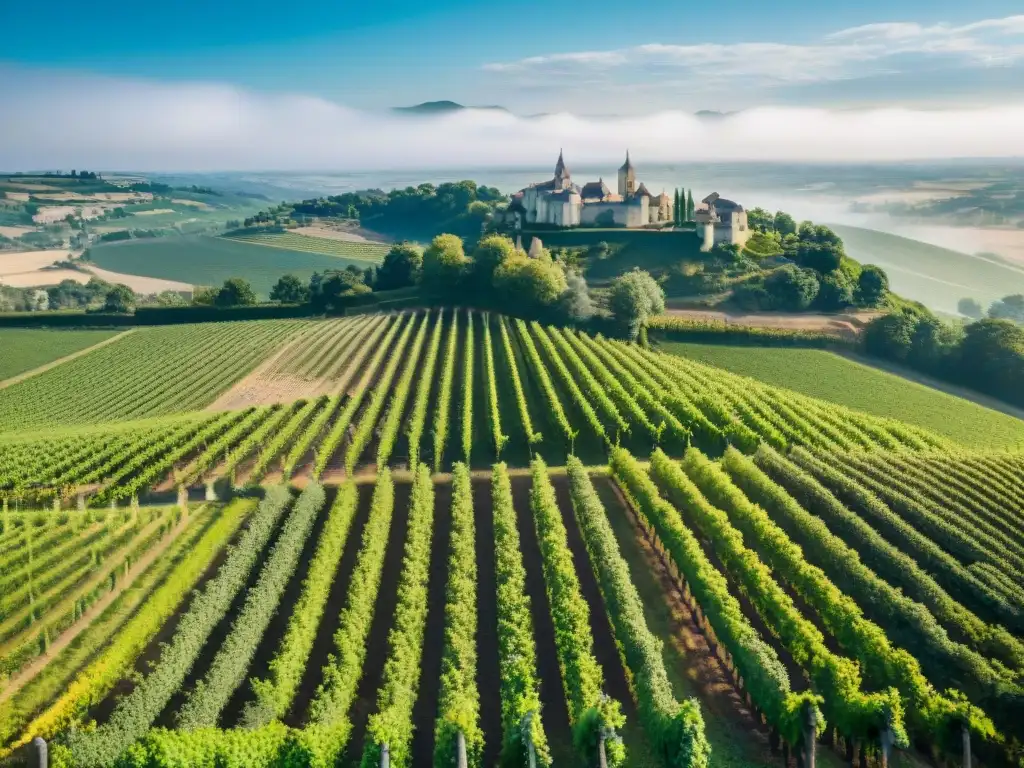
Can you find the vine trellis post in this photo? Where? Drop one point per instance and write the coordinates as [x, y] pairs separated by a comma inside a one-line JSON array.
[[462, 761], [42, 751]]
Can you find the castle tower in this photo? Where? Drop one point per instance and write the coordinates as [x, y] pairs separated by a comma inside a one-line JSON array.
[[627, 179], [562, 176]]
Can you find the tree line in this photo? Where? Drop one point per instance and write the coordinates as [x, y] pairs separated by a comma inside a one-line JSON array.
[[423, 211], [986, 355]]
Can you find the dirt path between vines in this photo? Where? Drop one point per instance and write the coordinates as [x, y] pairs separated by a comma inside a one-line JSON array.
[[27, 673], [54, 363]]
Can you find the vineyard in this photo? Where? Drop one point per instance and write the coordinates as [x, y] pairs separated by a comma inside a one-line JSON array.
[[373, 562], [345, 249]]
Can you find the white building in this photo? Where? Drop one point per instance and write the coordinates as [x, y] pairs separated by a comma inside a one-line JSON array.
[[560, 202]]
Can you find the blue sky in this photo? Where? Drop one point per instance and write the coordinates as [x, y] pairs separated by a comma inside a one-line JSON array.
[[373, 55], [190, 85]]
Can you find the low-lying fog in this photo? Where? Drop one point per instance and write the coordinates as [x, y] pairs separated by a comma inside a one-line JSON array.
[[54, 120]]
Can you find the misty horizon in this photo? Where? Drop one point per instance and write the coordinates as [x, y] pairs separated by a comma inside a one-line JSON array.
[[60, 121]]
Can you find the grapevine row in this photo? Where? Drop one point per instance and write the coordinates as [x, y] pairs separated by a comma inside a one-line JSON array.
[[211, 694], [676, 728], [458, 708], [590, 710], [392, 725], [137, 711], [274, 695]]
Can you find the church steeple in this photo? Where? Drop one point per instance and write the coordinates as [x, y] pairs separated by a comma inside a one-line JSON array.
[[627, 179], [561, 171]]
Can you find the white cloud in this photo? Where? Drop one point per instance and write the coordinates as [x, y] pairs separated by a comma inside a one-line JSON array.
[[59, 122], [851, 53]]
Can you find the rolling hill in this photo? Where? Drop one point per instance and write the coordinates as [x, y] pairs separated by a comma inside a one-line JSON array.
[[937, 277]]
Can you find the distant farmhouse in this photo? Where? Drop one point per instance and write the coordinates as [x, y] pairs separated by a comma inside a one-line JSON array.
[[560, 202]]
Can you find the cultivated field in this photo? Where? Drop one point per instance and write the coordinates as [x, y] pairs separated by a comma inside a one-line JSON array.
[[779, 563], [186, 367], [832, 377], [330, 246], [25, 349], [200, 260]]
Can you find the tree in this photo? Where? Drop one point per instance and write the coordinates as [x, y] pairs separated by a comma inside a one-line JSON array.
[[792, 289], [290, 290], [38, 300], [401, 267], [872, 286], [891, 336], [677, 208], [785, 224], [204, 296], [633, 299], [821, 257], [970, 308], [235, 292], [444, 264], [760, 219], [327, 290], [1008, 308], [524, 282], [690, 208], [992, 358], [605, 218], [933, 342], [836, 291], [576, 303], [170, 299], [490, 253], [120, 299]]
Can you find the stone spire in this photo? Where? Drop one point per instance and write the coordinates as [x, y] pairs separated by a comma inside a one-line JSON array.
[[561, 171]]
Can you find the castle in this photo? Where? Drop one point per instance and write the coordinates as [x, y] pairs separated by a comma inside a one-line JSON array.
[[720, 221], [562, 203]]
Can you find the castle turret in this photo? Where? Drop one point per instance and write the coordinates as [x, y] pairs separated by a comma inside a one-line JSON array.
[[627, 179]]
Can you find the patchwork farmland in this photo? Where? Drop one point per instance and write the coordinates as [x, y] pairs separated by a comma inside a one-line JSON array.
[[420, 536]]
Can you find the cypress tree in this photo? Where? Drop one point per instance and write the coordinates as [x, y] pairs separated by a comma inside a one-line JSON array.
[[689, 205], [675, 209]]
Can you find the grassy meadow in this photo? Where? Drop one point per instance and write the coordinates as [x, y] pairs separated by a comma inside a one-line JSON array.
[[831, 377], [212, 260], [937, 277]]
